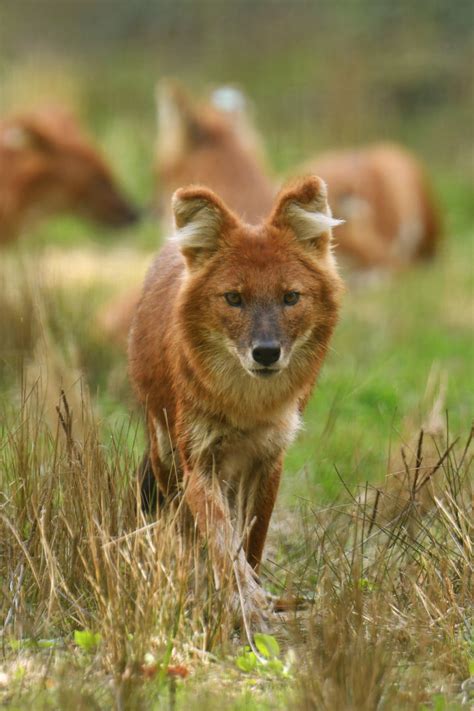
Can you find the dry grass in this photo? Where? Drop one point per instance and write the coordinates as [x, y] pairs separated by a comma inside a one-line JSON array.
[[391, 624], [78, 554], [388, 625]]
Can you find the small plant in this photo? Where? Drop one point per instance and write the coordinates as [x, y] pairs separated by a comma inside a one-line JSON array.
[[264, 658], [87, 641]]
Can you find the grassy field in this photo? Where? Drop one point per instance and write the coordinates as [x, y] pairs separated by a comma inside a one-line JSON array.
[[101, 608]]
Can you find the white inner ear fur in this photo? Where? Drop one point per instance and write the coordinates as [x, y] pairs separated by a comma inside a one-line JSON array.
[[201, 228], [307, 224]]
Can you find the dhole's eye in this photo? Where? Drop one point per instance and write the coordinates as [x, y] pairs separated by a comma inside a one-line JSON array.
[[291, 298], [233, 298]]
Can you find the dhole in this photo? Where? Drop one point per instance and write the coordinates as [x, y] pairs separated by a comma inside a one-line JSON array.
[[201, 144], [225, 347], [47, 165], [383, 195], [206, 145]]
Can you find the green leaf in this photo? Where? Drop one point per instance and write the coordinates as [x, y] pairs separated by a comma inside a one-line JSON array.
[[439, 703], [267, 645], [366, 585], [86, 640], [247, 662]]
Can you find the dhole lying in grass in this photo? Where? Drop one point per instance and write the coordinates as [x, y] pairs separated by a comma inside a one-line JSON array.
[[205, 145], [225, 347], [384, 197], [47, 166]]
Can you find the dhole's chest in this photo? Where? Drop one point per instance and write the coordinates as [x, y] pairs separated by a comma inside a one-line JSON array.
[[230, 454]]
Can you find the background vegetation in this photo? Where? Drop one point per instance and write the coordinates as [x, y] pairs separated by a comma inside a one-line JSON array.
[[389, 626]]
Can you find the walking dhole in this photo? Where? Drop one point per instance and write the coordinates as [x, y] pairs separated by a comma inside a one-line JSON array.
[[47, 166], [225, 347]]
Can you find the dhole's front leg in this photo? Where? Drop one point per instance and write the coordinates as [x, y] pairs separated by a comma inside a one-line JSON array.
[[162, 461], [212, 517], [260, 513]]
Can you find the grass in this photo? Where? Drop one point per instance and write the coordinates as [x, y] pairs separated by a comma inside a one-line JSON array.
[[103, 609]]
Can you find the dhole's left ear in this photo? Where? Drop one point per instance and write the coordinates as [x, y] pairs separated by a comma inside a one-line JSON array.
[[304, 209], [201, 221]]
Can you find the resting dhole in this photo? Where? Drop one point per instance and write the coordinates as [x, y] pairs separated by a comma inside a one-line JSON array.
[[382, 193], [47, 166], [202, 144], [225, 347]]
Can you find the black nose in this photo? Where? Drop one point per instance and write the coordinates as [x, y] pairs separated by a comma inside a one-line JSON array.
[[266, 353]]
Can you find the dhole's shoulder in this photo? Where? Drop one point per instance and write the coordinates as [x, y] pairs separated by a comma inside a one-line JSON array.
[[158, 295], [166, 267]]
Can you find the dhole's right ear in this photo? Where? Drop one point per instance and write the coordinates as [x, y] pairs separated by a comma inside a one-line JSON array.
[[201, 219], [303, 208]]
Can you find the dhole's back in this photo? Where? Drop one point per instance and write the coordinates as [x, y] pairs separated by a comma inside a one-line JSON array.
[[383, 194]]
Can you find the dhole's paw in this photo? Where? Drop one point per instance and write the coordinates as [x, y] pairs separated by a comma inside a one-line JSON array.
[[251, 602], [252, 611], [258, 612]]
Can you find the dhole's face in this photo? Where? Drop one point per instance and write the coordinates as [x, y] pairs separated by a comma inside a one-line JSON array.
[[262, 299], [65, 172], [83, 184], [265, 299]]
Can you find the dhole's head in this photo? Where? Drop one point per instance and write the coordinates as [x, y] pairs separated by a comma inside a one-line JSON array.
[[59, 169], [213, 144], [258, 302]]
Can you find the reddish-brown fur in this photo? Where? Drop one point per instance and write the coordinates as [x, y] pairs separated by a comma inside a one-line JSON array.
[[383, 194], [47, 165], [218, 422], [381, 190], [199, 144]]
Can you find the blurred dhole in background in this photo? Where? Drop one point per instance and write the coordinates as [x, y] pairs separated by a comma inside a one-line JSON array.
[[314, 77]]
